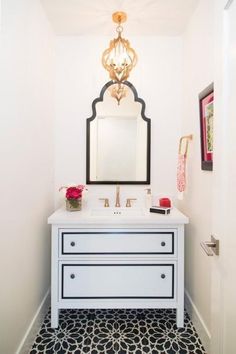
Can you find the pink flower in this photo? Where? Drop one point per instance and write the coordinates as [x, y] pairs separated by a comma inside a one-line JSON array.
[[74, 192]]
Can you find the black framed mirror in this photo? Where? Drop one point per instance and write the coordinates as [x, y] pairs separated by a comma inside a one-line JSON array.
[[118, 144]]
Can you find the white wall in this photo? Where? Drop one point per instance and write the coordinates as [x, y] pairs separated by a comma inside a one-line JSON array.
[[79, 79], [26, 163], [197, 203]]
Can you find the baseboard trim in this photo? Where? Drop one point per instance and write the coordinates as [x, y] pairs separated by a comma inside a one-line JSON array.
[[198, 322], [35, 324]]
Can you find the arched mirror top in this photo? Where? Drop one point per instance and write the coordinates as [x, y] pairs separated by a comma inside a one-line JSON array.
[[131, 103]]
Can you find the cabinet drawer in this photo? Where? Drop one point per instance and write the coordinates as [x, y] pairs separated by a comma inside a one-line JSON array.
[[108, 281], [158, 242]]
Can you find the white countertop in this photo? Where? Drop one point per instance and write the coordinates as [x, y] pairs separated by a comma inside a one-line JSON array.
[[84, 217]]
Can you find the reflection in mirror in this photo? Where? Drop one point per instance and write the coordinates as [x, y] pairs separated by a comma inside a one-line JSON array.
[[118, 139]]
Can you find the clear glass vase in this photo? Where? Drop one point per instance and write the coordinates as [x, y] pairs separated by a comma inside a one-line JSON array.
[[73, 204]]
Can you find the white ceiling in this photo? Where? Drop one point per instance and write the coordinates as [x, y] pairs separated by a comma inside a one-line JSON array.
[[93, 17]]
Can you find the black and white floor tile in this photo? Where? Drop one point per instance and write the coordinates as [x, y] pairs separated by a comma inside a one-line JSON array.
[[117, 332]]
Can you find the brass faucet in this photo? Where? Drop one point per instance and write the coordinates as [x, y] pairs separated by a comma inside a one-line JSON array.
[[117, 205]]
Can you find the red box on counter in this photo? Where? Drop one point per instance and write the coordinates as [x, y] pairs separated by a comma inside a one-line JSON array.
[[165, 202]]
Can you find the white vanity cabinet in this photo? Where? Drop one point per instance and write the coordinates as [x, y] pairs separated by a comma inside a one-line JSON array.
[[117, 262]]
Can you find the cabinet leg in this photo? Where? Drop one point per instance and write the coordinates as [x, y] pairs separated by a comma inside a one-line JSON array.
[[54, 317], [179, 318]]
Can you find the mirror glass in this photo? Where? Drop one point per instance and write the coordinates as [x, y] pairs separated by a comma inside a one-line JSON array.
[[118, 139]]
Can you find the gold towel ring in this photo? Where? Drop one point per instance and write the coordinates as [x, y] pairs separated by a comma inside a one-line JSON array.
[[187, 138]]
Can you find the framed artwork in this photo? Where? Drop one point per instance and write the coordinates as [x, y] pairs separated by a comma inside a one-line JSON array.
[[206, 106]]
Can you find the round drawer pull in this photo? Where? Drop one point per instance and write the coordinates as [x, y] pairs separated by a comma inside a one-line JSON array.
[[72, 276], [163, 276], [163, 243], [72, 243]]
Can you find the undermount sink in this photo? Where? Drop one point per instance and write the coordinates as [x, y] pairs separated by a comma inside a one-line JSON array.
[[116, 212]]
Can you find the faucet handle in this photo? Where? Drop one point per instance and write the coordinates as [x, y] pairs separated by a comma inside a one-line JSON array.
[[106, 202], [128, 202]]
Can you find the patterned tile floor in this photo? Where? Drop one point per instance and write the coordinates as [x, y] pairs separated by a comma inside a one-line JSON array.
[[117, 332]]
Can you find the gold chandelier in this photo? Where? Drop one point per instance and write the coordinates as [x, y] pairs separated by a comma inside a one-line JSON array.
[[119, 59]]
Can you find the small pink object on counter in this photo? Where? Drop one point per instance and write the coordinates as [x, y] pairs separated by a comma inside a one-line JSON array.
[[165, 202]]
